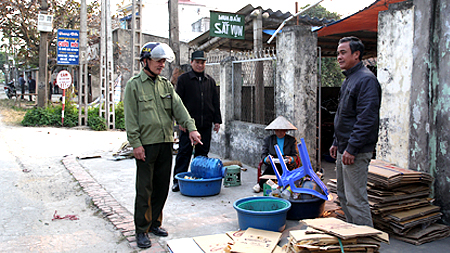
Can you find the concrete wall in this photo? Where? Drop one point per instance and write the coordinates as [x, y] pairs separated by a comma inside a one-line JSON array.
[[296, 83], [395, 76], [440, 84], [413, 64], [295, 98]]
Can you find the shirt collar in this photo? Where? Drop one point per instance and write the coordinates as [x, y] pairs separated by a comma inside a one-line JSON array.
[[144, 76], [193, 75], [353, 69]]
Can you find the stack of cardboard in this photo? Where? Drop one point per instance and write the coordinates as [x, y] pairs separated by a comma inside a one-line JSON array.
[[334, 235], [388, 176], [400, 205]]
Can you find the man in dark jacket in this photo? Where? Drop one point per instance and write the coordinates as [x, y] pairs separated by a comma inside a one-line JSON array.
[[198, 93], [31, 86], [355, 131], [22, 85]]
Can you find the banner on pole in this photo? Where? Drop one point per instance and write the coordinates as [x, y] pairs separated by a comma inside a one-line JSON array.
[[67, 47]]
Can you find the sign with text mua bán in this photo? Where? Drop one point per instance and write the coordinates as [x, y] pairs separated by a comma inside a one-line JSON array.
[[226, 25], [67, 47]]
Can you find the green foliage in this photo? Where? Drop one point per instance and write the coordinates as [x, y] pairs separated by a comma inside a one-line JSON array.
[[18, 23], [96, 122], [331, 73], [119, 116], [51, 116], [321, 12], [70, 115], [37, 117]]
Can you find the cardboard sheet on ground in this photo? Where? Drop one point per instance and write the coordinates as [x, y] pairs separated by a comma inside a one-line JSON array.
[[256, 240], [213, 243], [183, 245], [345, 230], [235, 235]]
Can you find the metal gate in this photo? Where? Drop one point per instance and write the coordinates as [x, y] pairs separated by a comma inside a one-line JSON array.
[[257, 83]]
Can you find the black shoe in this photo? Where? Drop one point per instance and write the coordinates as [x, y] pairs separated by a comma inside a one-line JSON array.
[[143, 241], [159, 231], [176, 187]]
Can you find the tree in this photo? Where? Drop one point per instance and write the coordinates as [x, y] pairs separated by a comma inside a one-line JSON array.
[[3, 63], [331, 73], [18, 21]]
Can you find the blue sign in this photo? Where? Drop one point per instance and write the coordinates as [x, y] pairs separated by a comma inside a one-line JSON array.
[[67, 47]]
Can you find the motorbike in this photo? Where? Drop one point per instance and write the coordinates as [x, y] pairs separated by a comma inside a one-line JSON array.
[[10, 89]]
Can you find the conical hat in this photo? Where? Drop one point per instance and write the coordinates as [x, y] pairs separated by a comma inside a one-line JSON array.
[[280, 123]]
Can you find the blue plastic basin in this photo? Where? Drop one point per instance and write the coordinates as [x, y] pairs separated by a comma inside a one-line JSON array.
[[308, 208], [266, 213], [198, 187]]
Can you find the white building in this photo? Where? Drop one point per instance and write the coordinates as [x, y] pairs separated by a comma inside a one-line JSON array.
[[155, 18]]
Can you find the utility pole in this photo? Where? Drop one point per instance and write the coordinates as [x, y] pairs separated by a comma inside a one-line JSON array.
[[106, 68], [83, 68], [42, 97], [136, 36], [174, 31], [259, 78]]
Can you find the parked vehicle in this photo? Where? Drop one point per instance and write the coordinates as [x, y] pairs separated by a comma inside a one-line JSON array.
[[10, 89]]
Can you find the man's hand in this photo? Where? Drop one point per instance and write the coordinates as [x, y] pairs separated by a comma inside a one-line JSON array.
[[195, 138], [139, 153], [347, 158], [182, 128], [333, 151], [216, 127]]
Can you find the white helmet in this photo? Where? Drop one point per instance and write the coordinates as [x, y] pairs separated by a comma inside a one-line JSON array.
[[157, 51]]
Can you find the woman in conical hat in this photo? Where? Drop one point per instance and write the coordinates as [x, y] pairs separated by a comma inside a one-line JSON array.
[[286, 143]]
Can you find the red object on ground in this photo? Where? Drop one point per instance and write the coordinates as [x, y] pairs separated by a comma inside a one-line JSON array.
[[67, 217]]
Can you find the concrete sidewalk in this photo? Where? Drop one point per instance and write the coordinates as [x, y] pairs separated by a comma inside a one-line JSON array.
[[111, 187]]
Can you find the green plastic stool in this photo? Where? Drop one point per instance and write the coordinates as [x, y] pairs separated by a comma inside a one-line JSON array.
[[233, 176]]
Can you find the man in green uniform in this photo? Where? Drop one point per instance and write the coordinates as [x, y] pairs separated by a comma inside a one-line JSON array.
[[150, 104]]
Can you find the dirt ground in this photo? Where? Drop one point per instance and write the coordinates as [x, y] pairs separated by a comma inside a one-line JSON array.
[[35, 185]]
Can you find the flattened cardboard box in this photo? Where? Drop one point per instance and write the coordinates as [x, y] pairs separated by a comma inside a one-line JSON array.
[[183, 245], [413, 213], [235, 235], [345, 230], [213, 243], [312, 240], [256, 240], [418, 236], [390, 176]]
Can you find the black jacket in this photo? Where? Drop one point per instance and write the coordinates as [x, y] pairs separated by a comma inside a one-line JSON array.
[[290, 147], [200, 97], [357, 118]]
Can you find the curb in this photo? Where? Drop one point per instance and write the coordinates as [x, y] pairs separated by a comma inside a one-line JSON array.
[[119, 216]]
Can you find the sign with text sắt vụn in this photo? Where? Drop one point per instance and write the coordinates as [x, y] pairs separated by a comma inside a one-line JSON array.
[[226, 25]]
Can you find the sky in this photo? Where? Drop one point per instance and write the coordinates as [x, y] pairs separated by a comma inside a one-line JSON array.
[[343, 7]]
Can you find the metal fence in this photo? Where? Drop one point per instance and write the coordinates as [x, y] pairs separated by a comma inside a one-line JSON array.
[[257, 71]]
